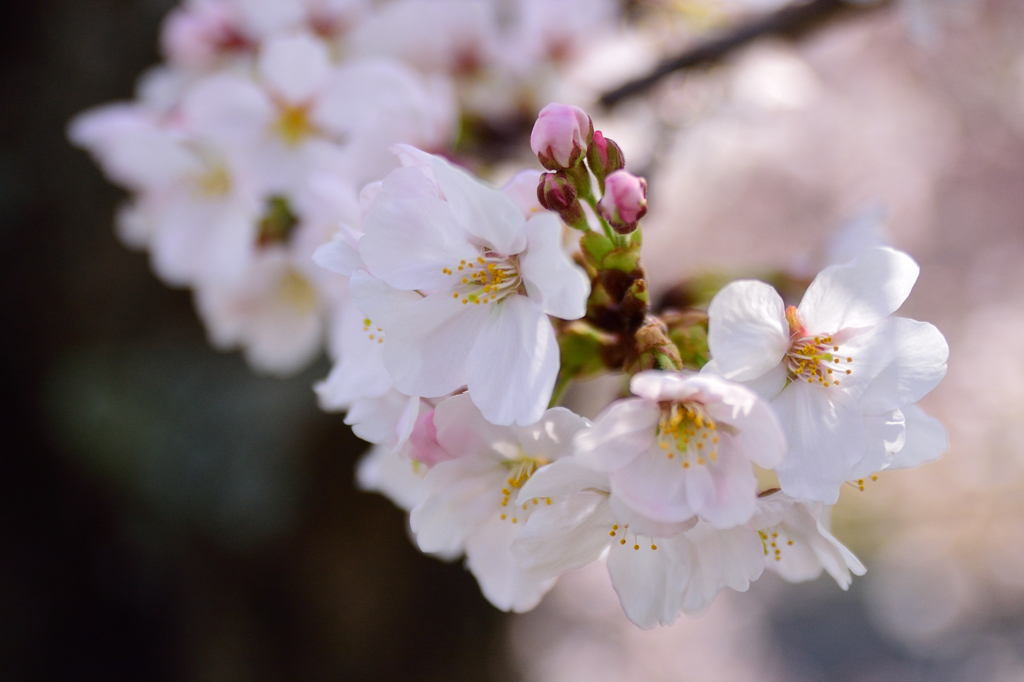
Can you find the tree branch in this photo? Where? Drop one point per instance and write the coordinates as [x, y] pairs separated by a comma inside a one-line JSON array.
[[792, 22]]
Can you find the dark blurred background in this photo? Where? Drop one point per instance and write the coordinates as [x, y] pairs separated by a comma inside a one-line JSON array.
[[165, 514]]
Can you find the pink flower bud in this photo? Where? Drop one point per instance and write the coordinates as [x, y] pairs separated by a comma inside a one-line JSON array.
[[604, 156], [555, 191], [561, 136], [624, 202]]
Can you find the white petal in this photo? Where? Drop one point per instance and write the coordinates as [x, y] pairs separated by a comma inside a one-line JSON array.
[[360, 372], [758, 435], [409, 242], [826, 434], [730, 558], [399, 479], [379, 419], [769, 384], [747, 330], [339, 255], [650, 582], [426, 349], [885, 436], [227, 108], [864, 354], [659, 386], [462, 431], [503, 582], [858, 294], [480, 210], [566, 534], [813, 548], [550, 438], [926, 440], [209, 242], [638, 524], [294, 66], [722, 492], [380, 302], [512, 368], [413, 182], [918, 353], [622, 431], [563, 479], [410, 156], [655, 486], [522, 189], [267, 17], [558, 285], [460, 495]]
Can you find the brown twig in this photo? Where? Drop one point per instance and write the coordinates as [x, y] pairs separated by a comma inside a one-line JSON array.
[[792, 22]]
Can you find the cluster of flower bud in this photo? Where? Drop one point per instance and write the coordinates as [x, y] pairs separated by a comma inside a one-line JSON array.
[[566, 143], [699, 481]]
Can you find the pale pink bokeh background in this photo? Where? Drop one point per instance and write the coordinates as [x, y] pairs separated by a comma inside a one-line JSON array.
[[753, 166]]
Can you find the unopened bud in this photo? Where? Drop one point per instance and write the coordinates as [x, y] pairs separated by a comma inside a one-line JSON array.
[[604, 157], [556, 192], [624, 202], [561, 136]]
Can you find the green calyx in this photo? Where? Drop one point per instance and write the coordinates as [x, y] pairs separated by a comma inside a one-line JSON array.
[[602, 253]]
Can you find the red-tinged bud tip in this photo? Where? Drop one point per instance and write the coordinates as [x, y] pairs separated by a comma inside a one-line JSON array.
[[561, 136], [604, 156], [556, 192], [624, 202]]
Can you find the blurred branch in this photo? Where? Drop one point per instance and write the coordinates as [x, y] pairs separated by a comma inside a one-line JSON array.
[[793, 21]]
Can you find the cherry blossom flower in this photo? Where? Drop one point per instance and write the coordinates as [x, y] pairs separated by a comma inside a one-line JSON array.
[[274, 312], [836, 368], [658, 570], [471, 502], [684, 448], [302, 114], [797, 544], [488, 279], [198, 205]]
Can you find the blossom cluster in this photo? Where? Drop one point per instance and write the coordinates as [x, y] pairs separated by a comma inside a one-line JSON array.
[[471, 310], [248, 146]]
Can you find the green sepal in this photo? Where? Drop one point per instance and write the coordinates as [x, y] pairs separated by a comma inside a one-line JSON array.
[[582, 348], [603, 254], [688, 330]]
